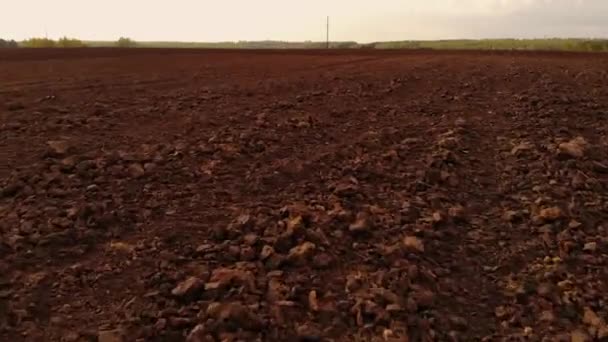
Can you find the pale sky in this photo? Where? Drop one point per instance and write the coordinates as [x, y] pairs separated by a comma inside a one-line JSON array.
[[360, 20]]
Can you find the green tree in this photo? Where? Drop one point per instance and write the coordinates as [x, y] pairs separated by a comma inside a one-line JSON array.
[[125, 43], [66, 42], [39, 43], [8, 44], [595, 45]]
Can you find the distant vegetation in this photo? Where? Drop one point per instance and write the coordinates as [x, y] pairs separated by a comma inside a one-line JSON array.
[[125, 43], [39, 43], [64, 42], [595, 45], [5, 44], [591, 45]]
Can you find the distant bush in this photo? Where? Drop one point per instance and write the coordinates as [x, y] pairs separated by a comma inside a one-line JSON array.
[[66, 42], [39, 43], [344, 45], [8, 44], [125, 43], [594, 45]]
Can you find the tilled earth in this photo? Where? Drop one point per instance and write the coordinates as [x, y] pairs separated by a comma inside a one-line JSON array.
[[157, 195]]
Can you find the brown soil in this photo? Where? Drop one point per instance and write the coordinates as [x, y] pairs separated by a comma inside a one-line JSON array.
[[159, 195]]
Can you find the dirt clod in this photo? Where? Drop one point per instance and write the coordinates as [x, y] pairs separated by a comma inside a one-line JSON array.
[[590, 247], [550, 214], [362, 223], [413, 244], [110, 336], [574, 148], [579, 336], [458, 213], [136, 170], [59, 148], [233, 315], [301, 253], [188, 287]]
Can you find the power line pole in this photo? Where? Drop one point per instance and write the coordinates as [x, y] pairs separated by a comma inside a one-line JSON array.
[[327, 32]]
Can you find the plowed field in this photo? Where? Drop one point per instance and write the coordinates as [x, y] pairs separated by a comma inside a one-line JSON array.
[[172, 195]]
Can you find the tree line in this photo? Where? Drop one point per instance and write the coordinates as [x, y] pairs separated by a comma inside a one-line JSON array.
[[64, 42], [5, 44], [591, 45], [553, 44]]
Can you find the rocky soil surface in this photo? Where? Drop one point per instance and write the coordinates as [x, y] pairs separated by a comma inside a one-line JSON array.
[[303, 196]]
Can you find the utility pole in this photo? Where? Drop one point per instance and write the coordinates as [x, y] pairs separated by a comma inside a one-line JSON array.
[[327, 32]]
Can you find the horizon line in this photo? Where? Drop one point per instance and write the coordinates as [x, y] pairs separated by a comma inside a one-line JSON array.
[[313, 41]]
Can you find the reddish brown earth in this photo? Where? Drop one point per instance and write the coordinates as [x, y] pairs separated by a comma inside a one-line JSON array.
[[158, 195]]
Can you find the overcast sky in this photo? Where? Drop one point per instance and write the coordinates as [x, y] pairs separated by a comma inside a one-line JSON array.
[[360, 20]]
